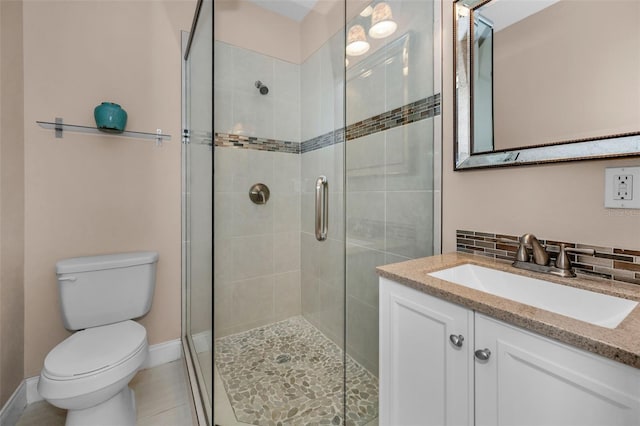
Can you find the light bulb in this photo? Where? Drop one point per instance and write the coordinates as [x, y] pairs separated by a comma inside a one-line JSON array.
[[357, 43], [382, 23]]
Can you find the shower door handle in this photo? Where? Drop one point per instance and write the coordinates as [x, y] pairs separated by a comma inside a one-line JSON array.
[[322, 207]]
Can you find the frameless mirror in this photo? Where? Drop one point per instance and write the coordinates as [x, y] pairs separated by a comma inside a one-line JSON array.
[[546, 81]]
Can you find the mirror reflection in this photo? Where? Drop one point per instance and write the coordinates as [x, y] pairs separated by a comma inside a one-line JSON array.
[[542, 72]]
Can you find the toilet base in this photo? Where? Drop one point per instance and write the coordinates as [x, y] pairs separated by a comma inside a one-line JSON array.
[[119, 410]]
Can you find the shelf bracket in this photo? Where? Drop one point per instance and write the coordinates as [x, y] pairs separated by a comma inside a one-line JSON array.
[[58, 127], [158, 138]]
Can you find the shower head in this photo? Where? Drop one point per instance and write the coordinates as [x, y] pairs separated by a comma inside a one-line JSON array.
[[263, 89]]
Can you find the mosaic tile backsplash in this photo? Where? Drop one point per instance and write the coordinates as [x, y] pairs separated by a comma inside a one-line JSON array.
[[407, 114], [608, 262]]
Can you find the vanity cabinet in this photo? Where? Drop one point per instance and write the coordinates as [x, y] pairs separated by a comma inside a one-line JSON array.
[[527, 379], [530, 379], [425, 373]]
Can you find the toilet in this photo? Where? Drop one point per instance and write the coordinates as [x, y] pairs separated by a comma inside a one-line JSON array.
[[89, 372]]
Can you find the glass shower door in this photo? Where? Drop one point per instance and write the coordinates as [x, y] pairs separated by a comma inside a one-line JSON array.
[[278, 254], [197, 160], [392, 127]]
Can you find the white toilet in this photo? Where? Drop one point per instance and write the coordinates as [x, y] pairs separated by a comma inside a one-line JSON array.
[[88, 373]]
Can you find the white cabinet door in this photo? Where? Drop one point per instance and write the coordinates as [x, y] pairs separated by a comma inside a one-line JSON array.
[[425, 379], [532, 380]]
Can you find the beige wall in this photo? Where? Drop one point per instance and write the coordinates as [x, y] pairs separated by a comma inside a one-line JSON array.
[[558, 201], [251, 27], [11, 200], [93, 194], [573, 89], [274, 35]]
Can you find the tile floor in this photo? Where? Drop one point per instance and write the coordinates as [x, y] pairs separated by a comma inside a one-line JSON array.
[[289, 373], [222, 411], [205, 359], [162, 399]]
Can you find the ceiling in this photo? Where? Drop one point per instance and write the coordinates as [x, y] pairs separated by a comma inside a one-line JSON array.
[[292, 9]]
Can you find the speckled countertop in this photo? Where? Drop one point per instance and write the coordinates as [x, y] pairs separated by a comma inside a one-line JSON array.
[[621, 344]]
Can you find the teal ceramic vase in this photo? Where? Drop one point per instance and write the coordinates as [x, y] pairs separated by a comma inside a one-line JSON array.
[[110, 117]]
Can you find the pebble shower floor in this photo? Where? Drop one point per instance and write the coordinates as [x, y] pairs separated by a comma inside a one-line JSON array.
[[289, 373]]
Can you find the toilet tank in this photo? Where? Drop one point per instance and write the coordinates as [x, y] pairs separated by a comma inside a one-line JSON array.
[[99, 290]]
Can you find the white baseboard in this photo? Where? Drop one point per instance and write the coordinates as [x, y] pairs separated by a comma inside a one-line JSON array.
[[32, 389], [27, 392], [13, 408], [163, 353], [202, 341]]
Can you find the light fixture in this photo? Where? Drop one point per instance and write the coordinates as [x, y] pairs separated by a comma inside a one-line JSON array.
[[382, 23], [357, 43]]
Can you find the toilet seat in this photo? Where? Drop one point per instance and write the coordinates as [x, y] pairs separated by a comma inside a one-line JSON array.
[[93, 359], [94, 350]]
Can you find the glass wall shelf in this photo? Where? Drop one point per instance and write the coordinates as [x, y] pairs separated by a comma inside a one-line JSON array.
[[59, 127]]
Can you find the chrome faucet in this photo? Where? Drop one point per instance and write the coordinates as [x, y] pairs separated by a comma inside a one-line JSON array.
[[539, 259]]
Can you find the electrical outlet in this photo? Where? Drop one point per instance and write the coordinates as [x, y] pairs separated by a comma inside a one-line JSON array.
[[620, 191], [623, 187]]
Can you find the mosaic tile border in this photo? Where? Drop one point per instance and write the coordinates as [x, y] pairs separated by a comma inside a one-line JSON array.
[[608, 262], [322, 141], [407, 114], [252, 142]]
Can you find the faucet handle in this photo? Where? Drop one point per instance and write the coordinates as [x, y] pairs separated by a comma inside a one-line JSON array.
[[522, 254], [563, 262]]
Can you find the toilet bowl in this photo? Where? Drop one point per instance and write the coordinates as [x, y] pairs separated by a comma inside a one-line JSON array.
[[93, 366], [88, 373]]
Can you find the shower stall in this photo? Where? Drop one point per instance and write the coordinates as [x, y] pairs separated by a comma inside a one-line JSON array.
[[325, 164]]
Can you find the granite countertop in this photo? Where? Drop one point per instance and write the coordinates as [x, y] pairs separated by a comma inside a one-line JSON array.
[[620, 344]]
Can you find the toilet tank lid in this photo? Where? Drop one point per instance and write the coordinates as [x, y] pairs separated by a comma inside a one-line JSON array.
[[105, 261]]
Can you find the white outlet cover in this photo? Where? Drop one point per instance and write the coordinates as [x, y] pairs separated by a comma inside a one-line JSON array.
[[609, 187]]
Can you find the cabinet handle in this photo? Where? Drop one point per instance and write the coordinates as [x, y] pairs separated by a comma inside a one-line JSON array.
[[457, 340], [483, 354]]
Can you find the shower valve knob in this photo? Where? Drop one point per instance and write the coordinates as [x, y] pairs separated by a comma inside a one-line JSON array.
[[259, 193]]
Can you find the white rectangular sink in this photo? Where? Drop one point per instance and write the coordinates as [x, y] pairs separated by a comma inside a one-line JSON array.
[[595, 308]]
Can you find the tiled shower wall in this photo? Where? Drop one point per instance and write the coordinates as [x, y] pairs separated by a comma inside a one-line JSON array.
[[322, 89], [263, 251], [243, 110], [257, 247]]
